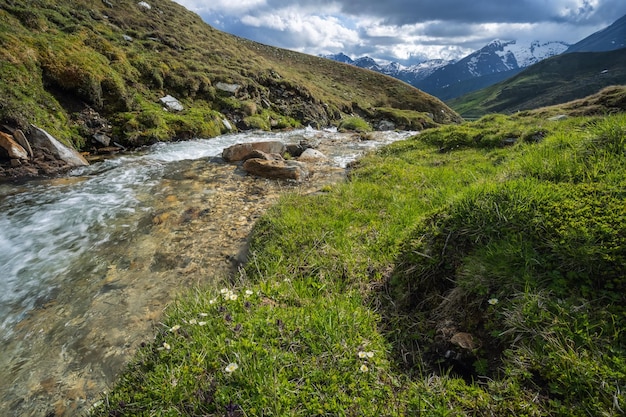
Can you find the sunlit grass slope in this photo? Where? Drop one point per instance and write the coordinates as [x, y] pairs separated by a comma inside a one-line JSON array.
[[509, 229]]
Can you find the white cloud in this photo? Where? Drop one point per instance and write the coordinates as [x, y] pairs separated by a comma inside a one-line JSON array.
[[402, 29], [222, 6], [313, 33]]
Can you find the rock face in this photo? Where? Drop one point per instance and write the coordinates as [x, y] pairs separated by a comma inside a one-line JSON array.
[[240, 151]]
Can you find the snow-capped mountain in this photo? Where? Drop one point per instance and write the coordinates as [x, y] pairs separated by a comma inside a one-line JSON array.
[[409, 74], [495, 61]]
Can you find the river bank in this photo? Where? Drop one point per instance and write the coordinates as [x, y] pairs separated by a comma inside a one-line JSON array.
[[187, 228]]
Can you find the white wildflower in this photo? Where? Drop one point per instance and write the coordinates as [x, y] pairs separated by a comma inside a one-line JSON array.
[[232, 367]]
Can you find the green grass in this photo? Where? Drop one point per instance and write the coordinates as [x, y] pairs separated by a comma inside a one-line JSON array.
[[352, 291]]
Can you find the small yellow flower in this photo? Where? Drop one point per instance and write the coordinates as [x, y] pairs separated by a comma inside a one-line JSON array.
[[232, 367], [364, 368], [232, 296], [493, 301], [362, 354], [175, 328], [166, 346]]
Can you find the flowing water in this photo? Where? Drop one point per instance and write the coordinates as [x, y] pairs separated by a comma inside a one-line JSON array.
[[89, 261]]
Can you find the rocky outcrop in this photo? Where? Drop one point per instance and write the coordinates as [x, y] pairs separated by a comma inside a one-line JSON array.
[[35, 154]]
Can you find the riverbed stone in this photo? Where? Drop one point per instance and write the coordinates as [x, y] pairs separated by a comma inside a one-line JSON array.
[[312, 155], [289, 170], [241, 151]]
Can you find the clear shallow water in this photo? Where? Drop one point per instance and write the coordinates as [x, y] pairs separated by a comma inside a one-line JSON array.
[[89, 260]]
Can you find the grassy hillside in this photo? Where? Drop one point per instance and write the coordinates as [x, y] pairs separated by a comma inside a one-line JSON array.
[[555, 80], [77, 67], [471, 270]]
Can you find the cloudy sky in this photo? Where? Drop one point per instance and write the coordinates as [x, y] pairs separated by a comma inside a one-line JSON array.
[[405, 30]]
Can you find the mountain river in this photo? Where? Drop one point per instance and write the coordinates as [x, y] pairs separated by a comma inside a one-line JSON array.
[[88, 261]]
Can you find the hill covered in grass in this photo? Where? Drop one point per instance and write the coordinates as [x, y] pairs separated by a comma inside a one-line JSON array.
[[553, 81], [76, 68], [474, 269]]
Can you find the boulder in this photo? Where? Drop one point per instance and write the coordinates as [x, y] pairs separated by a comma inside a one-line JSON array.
[[40, 139], [172, 103], [102, 139], [291, 170], [227, 88], [12, 148], [312, 155], [240, 151]]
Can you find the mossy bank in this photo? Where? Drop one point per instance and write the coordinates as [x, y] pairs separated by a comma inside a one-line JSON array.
[[79, 68], [471, 270]]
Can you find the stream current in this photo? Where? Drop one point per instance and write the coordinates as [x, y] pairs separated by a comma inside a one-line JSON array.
[[89, 261]]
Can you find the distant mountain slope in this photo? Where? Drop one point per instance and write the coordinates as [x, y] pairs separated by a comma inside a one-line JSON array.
[[409, 74], [68, 66], [498, 57], [494, 62], [555, 80], [608, 39]]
